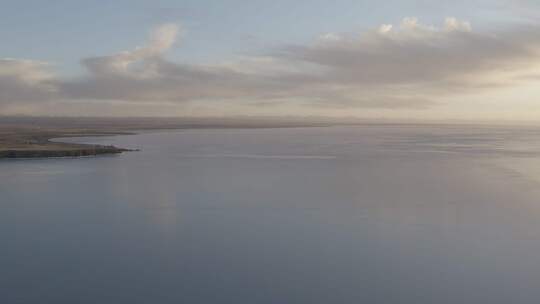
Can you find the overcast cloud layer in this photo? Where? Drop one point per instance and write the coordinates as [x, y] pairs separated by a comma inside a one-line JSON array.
[[409, 66]]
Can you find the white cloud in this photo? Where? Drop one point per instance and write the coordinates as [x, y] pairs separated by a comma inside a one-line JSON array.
[[23, 81], [453, 24], [28, 71], [385, 28], [409, 65], [161, 40]]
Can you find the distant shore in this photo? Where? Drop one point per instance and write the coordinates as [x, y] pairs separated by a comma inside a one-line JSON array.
[[35, 143], [30, 137]]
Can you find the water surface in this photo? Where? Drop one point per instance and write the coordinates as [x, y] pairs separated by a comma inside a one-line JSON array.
[[367, 214]]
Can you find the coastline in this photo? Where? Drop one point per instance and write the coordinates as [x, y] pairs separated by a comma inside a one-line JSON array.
[[32, 137], [36, 137], [27, 145]]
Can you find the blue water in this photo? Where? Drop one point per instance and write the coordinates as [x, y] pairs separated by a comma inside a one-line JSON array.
[[367, 214]]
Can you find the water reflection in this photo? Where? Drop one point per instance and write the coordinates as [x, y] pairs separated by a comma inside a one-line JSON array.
[[369, 214]]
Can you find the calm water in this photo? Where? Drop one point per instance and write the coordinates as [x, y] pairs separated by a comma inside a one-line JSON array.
[[372, 214]]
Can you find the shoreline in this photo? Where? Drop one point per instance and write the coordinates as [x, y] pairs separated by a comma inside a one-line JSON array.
[[25, 139], [33, 146], [36, 137]]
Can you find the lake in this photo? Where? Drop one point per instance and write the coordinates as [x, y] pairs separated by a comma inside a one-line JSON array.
[[363, 214]]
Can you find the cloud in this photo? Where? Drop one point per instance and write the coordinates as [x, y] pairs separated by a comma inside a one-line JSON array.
[[415, 63], [405, 66], [161, 40], [415, 53], [385, 67], [23, 81], [144, 75]]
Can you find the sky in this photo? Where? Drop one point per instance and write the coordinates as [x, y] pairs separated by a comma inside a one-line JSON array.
[[418, 59]]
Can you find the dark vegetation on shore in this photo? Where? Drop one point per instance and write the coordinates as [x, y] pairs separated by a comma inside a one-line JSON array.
[[32, 142], [88, 150], [30, 137]]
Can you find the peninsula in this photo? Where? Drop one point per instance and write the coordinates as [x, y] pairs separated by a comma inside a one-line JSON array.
[[31, 137], [28, 142]]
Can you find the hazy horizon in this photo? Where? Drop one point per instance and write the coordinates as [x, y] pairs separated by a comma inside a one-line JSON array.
[[262, 119], [394, 60]]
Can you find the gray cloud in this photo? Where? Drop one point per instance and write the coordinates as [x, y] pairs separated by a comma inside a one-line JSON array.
[[405, 66], [25, 81], [417, 54], [172, 82]]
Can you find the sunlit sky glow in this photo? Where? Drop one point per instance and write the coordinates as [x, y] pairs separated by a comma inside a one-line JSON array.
[[473, 60]]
